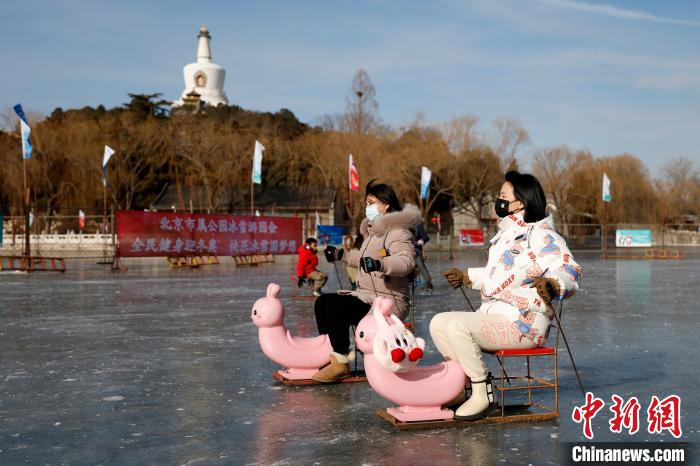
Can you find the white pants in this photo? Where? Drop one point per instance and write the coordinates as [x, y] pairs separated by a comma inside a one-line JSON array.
[[462, 335]]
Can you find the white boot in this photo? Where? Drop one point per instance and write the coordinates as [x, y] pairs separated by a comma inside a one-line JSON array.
[[478, 404]]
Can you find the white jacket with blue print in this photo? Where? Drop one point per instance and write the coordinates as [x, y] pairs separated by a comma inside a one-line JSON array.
[[519, 253]]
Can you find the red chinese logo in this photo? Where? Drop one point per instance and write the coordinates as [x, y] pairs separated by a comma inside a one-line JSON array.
[[587, 412], [665, 415], [661, 415], [626, 415]]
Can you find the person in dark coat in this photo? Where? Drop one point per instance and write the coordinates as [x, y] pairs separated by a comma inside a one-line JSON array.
[[420, 239]]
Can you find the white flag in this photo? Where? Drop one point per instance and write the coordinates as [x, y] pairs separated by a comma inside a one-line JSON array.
[[606, 188], [257, 162], [109, 152], [425, 176]]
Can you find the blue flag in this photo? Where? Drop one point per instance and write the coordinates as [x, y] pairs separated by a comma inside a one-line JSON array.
[[24, 124], [425, 176]]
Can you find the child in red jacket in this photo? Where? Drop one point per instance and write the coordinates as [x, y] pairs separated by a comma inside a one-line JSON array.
[[306, 266]]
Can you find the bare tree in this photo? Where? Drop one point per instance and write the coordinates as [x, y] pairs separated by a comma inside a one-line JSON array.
[[460, 134], [681, 188], [330, 122], [360, 105], [552, 167], [510, 138], [479, 175]]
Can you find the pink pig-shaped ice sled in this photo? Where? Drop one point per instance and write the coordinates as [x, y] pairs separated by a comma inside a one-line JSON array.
[[421, 391], [301, 357]]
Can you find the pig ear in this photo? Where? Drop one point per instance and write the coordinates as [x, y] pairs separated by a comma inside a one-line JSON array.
[[273, 290]]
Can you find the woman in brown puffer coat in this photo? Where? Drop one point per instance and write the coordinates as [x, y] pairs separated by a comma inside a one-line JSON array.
[[385, 260]]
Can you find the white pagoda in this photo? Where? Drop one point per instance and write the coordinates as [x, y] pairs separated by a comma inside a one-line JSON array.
[[204, 77]]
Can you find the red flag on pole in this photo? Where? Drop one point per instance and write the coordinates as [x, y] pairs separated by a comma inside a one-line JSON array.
[[353, 175], [81, 219]]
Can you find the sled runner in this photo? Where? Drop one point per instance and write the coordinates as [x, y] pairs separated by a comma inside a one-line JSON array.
[[514, 413], [358, 376]]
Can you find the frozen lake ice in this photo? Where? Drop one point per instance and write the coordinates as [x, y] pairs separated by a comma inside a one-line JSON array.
[[160, 366]]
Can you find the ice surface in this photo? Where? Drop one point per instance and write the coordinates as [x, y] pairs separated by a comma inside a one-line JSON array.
[[159, 366]]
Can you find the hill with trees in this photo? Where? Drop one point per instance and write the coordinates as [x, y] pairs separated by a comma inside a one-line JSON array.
[[212, 149]]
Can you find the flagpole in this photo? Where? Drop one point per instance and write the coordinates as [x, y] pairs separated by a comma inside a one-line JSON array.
[[605, 227], [27, 226], [104, 211], [352, 217], [252, 201], [104, 218]]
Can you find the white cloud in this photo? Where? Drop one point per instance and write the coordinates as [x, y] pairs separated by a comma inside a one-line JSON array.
[[615, 12], [673, 81]]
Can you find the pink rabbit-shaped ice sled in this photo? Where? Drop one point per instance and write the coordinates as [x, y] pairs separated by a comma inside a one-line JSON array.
[[301, 357], [419, 391]]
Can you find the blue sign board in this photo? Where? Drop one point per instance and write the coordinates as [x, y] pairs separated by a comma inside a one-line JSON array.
[[633, 238], [330, 234]]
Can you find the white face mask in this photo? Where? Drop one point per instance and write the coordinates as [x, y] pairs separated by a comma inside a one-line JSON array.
[[372, 212]]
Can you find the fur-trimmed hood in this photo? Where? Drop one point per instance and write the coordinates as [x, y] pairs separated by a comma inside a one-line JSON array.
[[408, 219]]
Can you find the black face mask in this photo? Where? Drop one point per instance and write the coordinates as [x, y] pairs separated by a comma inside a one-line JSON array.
[[502, 208]]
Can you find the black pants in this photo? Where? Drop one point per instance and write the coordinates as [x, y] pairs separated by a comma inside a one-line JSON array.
[[335, 313]]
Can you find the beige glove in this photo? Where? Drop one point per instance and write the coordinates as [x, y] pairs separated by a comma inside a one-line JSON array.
[[457, 278]]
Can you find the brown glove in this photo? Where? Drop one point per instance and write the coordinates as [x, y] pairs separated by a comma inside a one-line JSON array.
[[457, 278], [547, 288]]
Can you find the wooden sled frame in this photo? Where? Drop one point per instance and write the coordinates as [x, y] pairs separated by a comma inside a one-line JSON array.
[[501, 413], [357, 376], [516, 413]]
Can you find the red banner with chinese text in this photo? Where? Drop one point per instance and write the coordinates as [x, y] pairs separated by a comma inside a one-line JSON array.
[[146, 234], [469, 237]]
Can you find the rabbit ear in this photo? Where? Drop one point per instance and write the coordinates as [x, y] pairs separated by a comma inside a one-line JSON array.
[[385, 305], [273, 290], [380, 319], [395, 320]]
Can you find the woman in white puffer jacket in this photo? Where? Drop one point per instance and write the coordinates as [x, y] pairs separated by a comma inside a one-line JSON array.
[[529, 265]]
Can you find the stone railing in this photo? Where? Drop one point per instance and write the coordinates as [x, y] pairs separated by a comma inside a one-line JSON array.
[[69, 244]]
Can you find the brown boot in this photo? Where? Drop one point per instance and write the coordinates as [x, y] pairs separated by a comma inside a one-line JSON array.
[[338, 369]]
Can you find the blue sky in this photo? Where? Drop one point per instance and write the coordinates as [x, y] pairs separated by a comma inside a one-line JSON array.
[[611, 77]]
